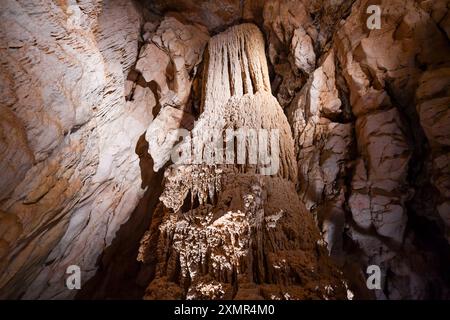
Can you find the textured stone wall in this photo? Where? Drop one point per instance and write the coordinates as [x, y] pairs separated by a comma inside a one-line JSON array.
[[90, 90], [229, 230], [70, 175]]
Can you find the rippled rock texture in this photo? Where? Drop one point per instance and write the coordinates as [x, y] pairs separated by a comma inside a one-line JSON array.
[[70, 175], [92, 92]]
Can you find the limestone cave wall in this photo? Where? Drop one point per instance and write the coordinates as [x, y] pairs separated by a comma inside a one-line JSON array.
[[92, 89]]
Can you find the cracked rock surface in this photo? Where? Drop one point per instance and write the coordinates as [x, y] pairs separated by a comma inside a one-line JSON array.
[[94, 94]]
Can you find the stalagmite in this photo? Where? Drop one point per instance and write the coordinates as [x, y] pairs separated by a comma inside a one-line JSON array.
[[226, 226], [221, 140]]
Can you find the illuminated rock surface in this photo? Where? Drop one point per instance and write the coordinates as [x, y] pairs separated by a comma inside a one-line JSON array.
[[249, 236], [90, 91]]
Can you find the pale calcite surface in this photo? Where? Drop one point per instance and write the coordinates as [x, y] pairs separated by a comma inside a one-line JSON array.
[[82, 81]]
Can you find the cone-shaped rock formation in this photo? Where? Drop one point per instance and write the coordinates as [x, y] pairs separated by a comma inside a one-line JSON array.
[[230, 223]]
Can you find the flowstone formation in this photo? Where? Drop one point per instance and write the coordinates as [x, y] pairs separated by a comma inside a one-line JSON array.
[[95, 95], [232, 226]]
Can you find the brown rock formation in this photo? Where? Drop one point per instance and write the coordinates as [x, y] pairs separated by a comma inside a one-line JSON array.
[[249, 236], [95, 95]]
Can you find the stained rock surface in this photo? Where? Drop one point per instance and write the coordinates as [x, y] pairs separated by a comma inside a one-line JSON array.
[[68, 139], [94, 96]]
